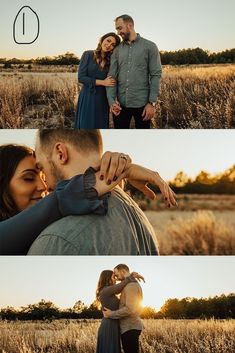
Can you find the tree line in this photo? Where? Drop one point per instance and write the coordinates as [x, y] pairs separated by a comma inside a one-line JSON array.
[[218, 307], [178, 57], [203, 183]]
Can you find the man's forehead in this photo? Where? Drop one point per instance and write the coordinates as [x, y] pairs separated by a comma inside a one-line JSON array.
[[119, 22]]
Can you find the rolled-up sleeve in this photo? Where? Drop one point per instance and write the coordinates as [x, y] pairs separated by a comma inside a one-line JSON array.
[[113, 71], [155, 72]]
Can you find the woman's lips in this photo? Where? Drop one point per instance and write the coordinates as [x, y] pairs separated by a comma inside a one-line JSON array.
[[36, 198]]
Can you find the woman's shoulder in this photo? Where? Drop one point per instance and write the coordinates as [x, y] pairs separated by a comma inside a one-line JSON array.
[[104, 291], [88, 52], [87, 55]]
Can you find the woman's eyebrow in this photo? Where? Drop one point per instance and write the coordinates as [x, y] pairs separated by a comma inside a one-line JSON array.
[[29, 170]]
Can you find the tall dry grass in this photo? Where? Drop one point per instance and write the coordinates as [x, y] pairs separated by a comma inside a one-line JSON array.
[[201, 234], [159, 336], [198, 97], [40, 100], [191, 97]]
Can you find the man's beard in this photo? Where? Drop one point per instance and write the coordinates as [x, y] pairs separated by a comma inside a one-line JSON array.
[[126, 37], [56, 174]]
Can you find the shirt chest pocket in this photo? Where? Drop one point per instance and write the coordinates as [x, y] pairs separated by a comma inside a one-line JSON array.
[[140, 61]]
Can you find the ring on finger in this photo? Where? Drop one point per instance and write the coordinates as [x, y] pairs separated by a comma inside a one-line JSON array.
[[123, 156]]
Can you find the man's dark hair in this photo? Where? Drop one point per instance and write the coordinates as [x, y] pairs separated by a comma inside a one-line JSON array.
[[125, 18], [122, 267], [83, 140]]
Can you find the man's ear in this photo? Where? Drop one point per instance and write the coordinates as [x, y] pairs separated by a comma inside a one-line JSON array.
[[60, 152], [130, 26]]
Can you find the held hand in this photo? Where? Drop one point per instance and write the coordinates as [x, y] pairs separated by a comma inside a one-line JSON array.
[[113, 165], [138, 276], [115, 108], [107, 312], [148, 112], [109, 81], [139, 177]]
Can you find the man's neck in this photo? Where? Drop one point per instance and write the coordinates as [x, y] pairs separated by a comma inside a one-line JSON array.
[[80, 164], [133, 37]]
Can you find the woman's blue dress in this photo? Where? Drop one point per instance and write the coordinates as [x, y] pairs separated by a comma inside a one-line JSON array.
[[108, 340], [93, 108]]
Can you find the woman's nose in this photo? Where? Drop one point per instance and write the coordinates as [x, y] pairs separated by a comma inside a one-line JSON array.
[[41, 185]]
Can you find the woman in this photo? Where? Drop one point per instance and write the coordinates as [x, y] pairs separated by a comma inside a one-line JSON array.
[[93, 108], [24, 212], [106, 294]]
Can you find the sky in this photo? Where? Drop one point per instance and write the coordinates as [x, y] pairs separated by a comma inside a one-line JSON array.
[[64, 280], [165, 151], [76, 25]]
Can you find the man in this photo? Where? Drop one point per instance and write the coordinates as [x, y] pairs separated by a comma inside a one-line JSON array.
[[129, 311], [62, 154], [136, 66]]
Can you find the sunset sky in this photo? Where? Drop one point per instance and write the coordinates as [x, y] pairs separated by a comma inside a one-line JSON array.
[[76, 25], [64, 280], [166, 151]]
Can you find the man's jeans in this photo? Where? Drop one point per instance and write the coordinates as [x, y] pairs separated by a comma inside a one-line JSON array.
[[122, 121], [130, 341]]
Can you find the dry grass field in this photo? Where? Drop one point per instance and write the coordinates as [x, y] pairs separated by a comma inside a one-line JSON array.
[[201, 225], [191, 97], [159, 336]]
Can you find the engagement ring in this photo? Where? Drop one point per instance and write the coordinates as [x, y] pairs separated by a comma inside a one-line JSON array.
[[123, 157]]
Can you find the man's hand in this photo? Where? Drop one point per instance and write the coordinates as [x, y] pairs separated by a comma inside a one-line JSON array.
[[115, 108], [139, 177], [107, 312], [113, 164], [148, 112]]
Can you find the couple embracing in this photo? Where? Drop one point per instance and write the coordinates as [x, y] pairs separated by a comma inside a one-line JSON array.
[[121, 316], [121, 77]]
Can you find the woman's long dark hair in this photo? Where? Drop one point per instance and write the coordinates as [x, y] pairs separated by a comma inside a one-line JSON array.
[[10, 156], [98, 51], [104, 281]]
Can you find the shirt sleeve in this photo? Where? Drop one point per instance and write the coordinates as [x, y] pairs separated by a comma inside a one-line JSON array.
[[132, 303], [83, 71], [113, 71], [155, 72], [117, 288], [73, 197]]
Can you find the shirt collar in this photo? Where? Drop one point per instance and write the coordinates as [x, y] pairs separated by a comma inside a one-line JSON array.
[[136, 40]]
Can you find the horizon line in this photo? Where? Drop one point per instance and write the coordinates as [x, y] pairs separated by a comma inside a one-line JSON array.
[[161, 51], [145, 306]]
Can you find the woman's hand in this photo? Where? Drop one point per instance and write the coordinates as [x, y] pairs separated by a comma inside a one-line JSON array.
[[111, 171], [113, 165], [139, 177], [138, 276], [109, 82]]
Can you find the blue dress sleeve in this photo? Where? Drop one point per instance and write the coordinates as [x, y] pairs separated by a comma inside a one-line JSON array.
[[83, 71], [76, 196]]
